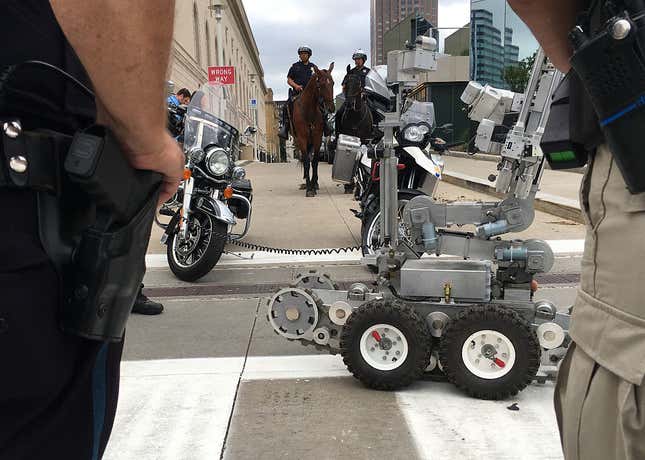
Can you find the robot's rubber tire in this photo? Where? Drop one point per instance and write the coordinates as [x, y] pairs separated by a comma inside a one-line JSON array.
[[503, 321], [412, 326]]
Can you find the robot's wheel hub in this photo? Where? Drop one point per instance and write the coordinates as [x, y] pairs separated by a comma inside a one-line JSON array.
[[488, 354], [384, 347]]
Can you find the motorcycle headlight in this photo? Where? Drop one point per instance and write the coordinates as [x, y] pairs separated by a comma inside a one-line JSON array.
[[217, 162], [415, 133], [239, 173]]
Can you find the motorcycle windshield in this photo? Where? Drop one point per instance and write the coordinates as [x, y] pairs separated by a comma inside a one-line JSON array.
[[376, 84], [418, 112], [207, 120]]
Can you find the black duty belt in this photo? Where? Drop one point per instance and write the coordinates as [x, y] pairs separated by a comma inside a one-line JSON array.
[[30, 160]]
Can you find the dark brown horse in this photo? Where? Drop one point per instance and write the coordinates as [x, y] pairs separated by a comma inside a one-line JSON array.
[[307, 122]]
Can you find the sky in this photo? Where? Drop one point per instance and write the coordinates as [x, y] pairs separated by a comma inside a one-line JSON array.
[[332, 28]]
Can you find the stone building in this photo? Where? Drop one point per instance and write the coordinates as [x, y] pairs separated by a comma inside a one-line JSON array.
[[272, 125], [217, 33]]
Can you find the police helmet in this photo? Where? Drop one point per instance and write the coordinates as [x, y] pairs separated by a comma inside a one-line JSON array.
[[359, 54], [305, 49]]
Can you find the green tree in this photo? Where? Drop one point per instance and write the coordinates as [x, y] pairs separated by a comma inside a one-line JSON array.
[[517, 75]]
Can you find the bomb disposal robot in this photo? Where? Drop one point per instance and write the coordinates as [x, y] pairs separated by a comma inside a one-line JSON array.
[[471, 314]]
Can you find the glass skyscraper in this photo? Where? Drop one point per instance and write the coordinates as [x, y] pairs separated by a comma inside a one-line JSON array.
[[498, 39]]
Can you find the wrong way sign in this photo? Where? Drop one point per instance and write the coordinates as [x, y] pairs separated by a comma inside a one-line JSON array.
[[224, 75]]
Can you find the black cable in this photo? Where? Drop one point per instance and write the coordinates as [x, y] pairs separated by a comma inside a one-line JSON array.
[[60, 71], [298, 252]]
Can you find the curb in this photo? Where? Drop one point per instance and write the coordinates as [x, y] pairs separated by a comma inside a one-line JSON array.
[[476, 156], [496, 158], [551, 204], [263, 289]]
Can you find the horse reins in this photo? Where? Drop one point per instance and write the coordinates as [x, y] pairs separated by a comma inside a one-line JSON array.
[[356, 97]]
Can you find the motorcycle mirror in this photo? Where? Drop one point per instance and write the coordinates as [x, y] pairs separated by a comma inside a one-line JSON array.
[[250, 130]]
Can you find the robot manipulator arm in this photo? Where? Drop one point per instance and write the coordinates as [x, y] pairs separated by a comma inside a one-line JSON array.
[[488, 106], [427, 220], [425, 216]]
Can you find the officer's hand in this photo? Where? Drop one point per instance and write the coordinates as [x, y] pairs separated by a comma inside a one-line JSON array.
[[162, 155], [299, 88]]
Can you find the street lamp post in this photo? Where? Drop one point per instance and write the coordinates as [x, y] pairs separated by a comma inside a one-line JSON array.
[[255, 113], [217, 9]]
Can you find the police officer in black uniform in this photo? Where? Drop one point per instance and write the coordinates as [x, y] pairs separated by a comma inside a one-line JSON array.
[[360, 58], [58, 392], [297, 79]]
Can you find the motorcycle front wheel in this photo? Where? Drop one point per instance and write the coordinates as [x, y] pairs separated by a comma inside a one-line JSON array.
[[371, 227], [193, 257]]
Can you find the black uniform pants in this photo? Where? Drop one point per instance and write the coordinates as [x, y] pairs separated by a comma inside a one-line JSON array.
[[58, 393]]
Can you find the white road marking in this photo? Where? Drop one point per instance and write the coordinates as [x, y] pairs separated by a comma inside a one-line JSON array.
[[559, 247], [447, 424], [179, 409], [294, 367], [172, 416]]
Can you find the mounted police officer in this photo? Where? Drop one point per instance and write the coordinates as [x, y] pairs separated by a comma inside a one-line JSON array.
[[297, 79], [360, 58], [360, 69], [58, 390]]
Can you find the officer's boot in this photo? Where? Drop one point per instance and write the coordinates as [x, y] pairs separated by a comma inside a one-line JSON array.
[[144, 306], [283, 133]]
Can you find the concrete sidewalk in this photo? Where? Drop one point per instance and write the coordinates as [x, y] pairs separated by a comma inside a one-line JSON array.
[[284, 218], [558, 193]]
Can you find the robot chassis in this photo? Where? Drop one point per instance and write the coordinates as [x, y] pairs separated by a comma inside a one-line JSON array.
[[470, 318]]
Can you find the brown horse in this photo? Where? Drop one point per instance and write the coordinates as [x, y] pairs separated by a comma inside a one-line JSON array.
[[307, 122]]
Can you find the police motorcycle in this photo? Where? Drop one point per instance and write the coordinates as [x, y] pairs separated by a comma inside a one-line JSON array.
[[416, 146], [419, 170], [214, 192]]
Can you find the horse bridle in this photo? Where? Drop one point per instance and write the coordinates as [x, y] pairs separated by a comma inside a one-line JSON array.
[[321, 99], [356, 97]]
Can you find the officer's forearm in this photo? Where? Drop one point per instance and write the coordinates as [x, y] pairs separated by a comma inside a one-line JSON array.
[[292, 83], [125, 48], [550, 21]]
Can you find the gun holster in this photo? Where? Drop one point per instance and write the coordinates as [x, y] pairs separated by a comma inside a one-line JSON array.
[[95, 229], [102, 282]]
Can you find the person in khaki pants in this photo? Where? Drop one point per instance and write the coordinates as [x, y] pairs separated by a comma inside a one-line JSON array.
[[600, 394]]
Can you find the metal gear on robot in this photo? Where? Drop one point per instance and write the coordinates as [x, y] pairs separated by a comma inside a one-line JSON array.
[[293, 313], [314, 280]]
